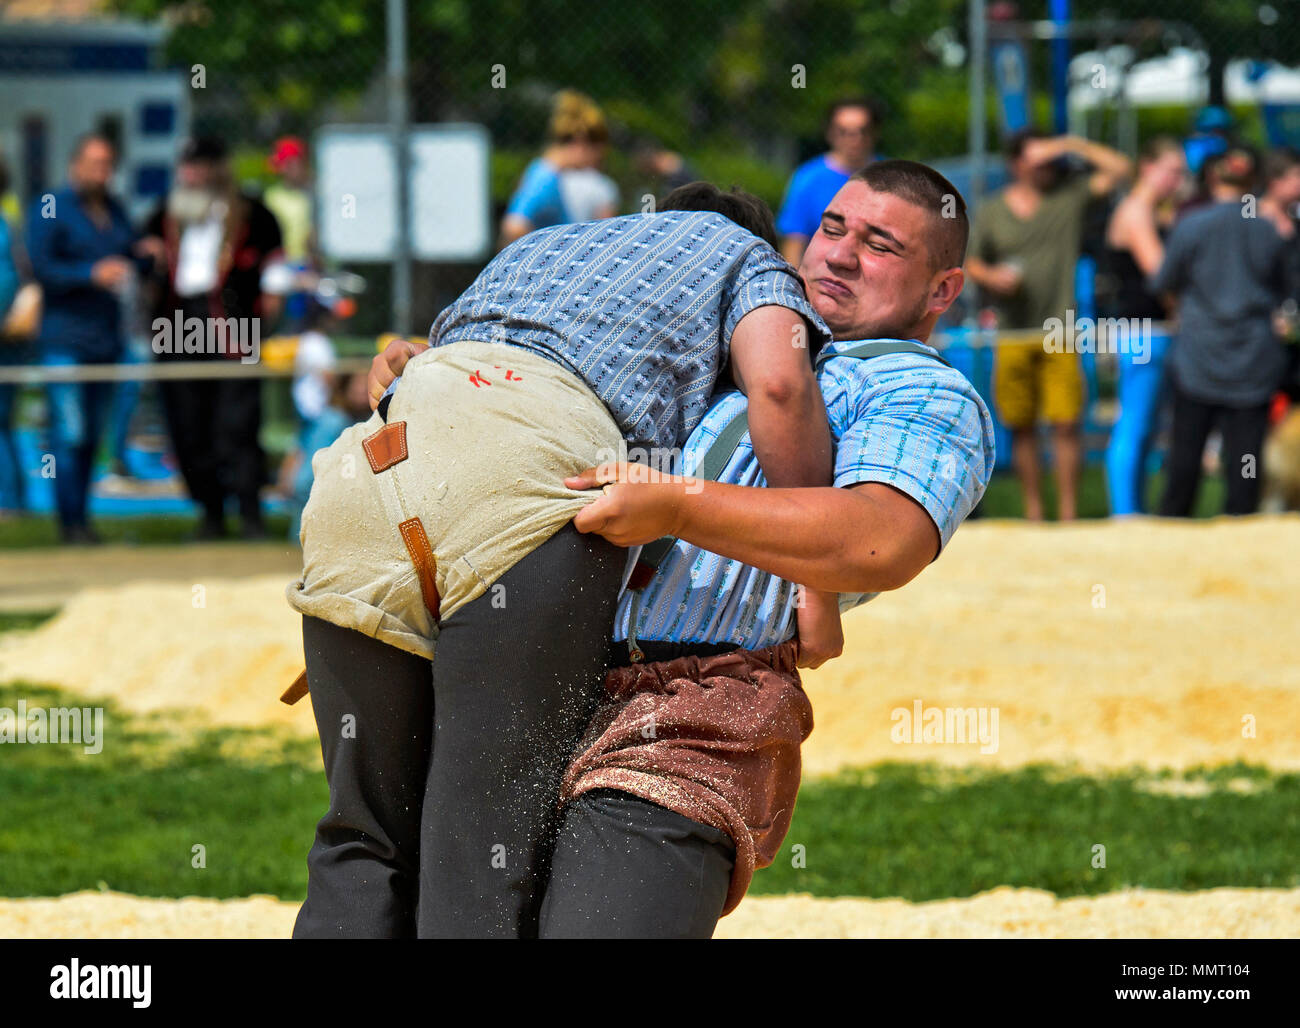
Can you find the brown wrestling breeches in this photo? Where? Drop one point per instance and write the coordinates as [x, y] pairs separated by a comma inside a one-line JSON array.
[[715, 739]]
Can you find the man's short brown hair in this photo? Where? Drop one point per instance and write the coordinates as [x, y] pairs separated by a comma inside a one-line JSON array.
[[921, 185], [1014, 145], [1237, 167], [745, 209]]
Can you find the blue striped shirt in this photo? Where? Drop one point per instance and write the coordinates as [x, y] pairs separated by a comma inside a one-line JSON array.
[[901, 419], [641, 308]]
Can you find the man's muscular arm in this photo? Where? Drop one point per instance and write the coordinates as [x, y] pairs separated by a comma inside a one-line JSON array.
[[867, 538], [787, 418], [791, 438]]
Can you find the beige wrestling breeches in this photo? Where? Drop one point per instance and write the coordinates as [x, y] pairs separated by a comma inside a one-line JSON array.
[[410, 519]]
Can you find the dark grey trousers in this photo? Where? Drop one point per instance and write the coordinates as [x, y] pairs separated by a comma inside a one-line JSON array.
[[625, 868], [443, 778]]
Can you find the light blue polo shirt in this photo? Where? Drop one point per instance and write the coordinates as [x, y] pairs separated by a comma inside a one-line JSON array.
[[901, 419]]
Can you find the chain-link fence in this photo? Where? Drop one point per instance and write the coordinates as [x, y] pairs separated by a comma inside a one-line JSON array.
[[739, 90]]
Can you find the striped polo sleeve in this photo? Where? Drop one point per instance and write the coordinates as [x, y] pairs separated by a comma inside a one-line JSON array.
[[916, 425], [766, 280]]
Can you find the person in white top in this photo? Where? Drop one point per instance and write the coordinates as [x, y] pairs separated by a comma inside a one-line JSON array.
[[588, 194]]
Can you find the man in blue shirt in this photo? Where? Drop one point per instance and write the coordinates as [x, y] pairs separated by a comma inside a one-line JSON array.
[[80, 244], [687, 776], [852, 126], [12, 351]]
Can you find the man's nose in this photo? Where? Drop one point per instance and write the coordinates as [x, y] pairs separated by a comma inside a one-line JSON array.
[[842, 254]]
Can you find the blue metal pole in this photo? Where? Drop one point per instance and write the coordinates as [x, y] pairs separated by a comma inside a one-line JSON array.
[[978, 31], [1059, 12]]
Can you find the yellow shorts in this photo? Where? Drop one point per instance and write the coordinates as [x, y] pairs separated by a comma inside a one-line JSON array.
[[1030, 384]]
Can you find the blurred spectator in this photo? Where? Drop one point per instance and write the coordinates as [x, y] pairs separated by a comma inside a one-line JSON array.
[[1212, 134], [348, 403], [1134, 248], [852, 127], [1280, 204], [1201, 193], [314, 361], [579, 139], [1023, 249], [1281, 198], [1211, 137], [667, 169], [12, 351], [1225, 266], [217, 243], [314, 382], [80, 244], [289, 199], [588, 194], [133, 297]]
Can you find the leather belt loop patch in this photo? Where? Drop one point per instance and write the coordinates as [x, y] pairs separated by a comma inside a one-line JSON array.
[[296, 691], [426, 564], [386, 447]]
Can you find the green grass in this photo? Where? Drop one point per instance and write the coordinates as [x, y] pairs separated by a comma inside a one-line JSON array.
[[17, 620], [127, 818], [1002, 499], [921, 833], [32, 531]]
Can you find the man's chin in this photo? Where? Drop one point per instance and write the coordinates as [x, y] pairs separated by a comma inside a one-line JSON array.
[[831, 307], [842, 327], [874, 329], [839, 317]]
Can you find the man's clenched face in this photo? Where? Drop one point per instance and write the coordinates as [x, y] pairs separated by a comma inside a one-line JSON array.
[[868, 269]]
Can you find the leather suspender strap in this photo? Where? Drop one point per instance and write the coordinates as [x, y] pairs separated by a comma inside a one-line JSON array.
[[384, 449], [711, 466], [296, 691], [426, 564], [721, 449]]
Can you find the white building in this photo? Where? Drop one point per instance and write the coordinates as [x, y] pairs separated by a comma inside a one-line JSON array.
[[61, 79]]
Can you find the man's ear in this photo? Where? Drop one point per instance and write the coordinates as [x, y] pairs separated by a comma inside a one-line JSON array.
[[947, 287]]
